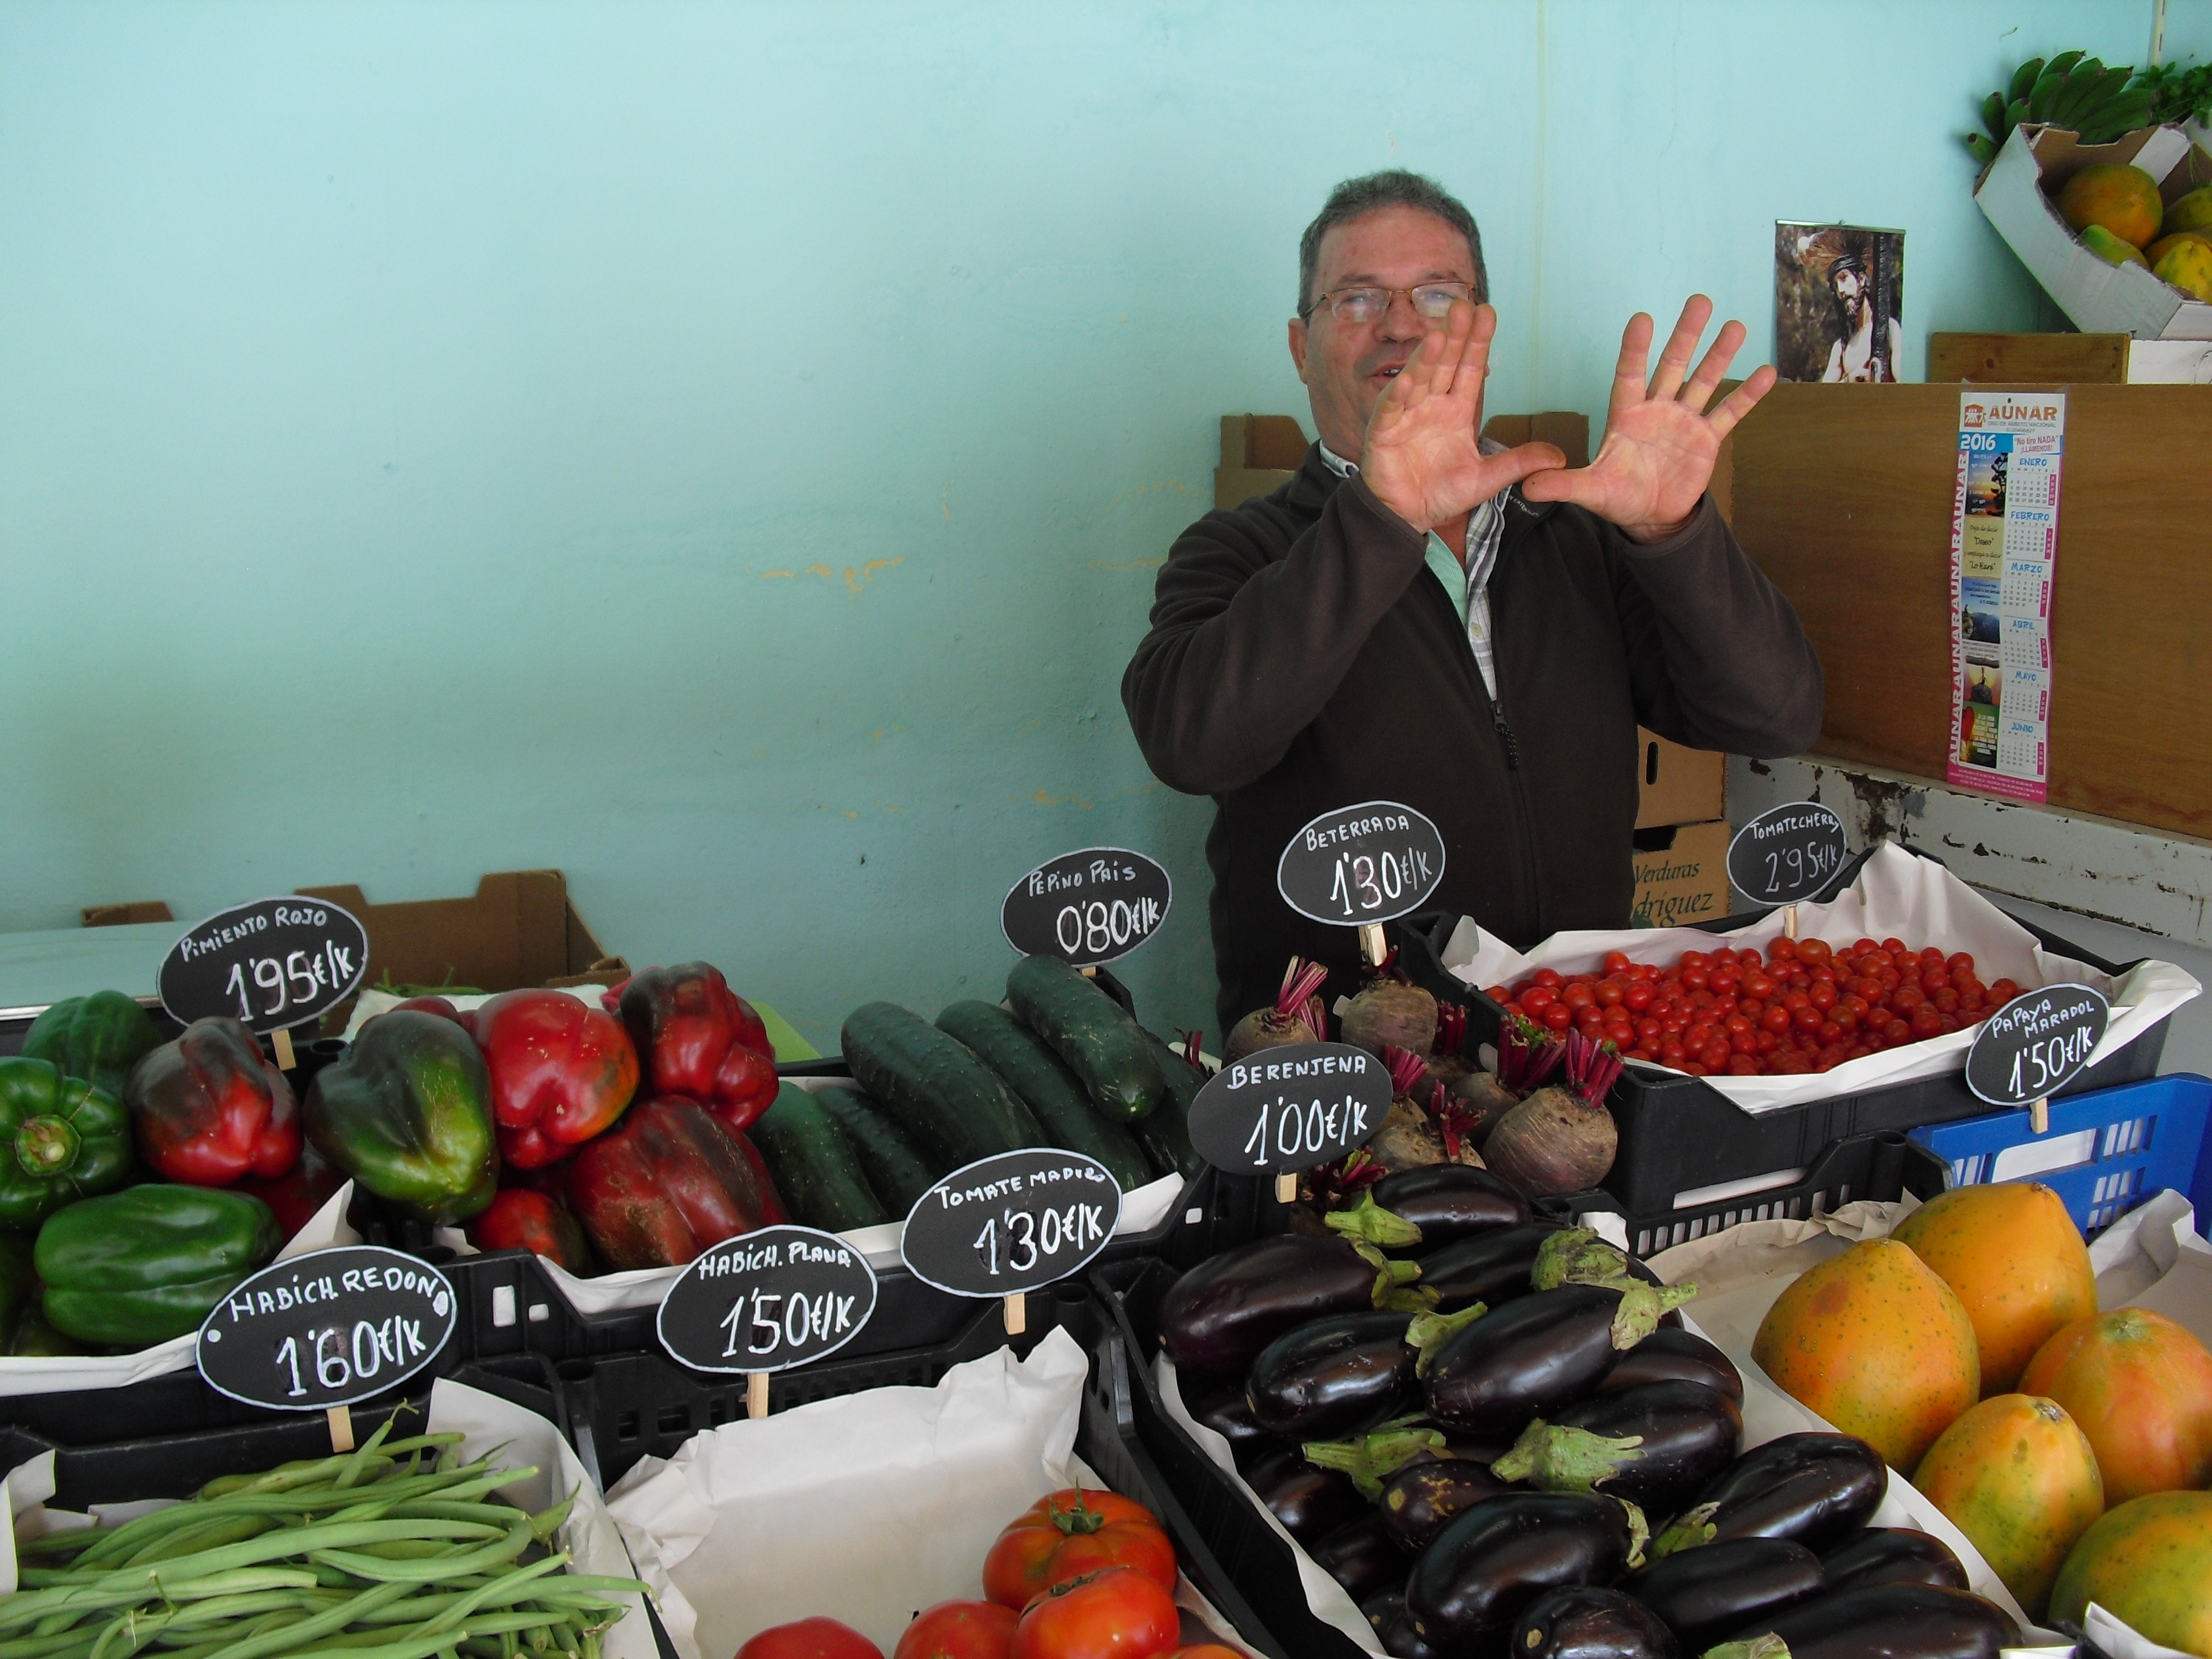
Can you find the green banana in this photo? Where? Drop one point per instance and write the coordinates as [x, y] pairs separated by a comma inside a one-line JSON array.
[[2023, 81], [1993, 116]]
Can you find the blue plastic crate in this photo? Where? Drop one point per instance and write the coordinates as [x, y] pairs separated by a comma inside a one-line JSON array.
[[2104, 1153]]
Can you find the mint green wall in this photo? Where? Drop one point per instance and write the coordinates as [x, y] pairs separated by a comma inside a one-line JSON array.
[[724, 450]]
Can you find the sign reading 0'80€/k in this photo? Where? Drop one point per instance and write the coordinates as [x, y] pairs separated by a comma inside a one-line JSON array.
[[331, 1328], [1087, 908], [1291, 1108], [1014, 1222], [2036, 1044], [273, 963], [1788, 852], [1369, 863], [766, 1300]]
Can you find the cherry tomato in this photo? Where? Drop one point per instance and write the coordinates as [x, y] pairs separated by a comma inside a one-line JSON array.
[[1783, 950], [811, 1638], [1690, 959], [1808, 1018], [1742, 1042], [1640, 994], [1068, 1533], [1757, 984], [1822, 995], [1536, 1000], [1906, 998], [1617, 961], [1559, 1016], [1715, 1054], [1698, 978], [2002, 991], [1723, 982], [959, 1630], [1611, 991], [1960, 962], [1813, 951], [1743, 1065], [1765, 1042], [1549, 976], [1578, 995], [1775, 1019], [1896, 947], [1119, 1613]]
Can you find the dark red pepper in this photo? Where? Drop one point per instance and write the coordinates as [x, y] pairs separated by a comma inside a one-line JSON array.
[[463, 1018], [561, 1070], [296, 1195], [519, 1219], [670, 1181], [208, 1109], [699, 1039]]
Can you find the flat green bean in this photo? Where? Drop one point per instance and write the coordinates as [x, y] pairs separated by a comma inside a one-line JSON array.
[[423, 1573]]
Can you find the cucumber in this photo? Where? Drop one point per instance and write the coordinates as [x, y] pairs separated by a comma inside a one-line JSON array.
[[1165, 1135], [813, 1164], [1047, 1087], [897, 1173], [951, 1104], [1087, 1029]]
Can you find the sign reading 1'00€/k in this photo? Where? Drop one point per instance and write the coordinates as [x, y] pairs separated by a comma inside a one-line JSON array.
[[330, 1328], [766, 1300], [1291, 1108], [1015, 1222], [273, 963], [1087, 908], [1787, 854], [1369, 863]]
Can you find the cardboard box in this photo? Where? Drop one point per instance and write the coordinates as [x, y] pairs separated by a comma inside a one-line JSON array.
[[2096, 296], [1681, 875], [2068, 360], [1676, 785]]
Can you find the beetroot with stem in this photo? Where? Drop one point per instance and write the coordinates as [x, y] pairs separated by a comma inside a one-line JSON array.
[[1447, 1063], [1390, 1012], [1560, 1138], [1298, 1015], [1407, 1138], [1528, 1054]]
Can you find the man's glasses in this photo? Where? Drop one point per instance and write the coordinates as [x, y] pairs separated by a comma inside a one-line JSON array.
[[1432, 300]]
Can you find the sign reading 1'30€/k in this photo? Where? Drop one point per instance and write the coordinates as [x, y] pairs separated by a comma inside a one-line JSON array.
[[273, 963], [1015, 1222], [1291, 1108], [1087, 908], [2036, 1044], [1787, 854], [1359, 865], [766, 1300], [330, 1328]]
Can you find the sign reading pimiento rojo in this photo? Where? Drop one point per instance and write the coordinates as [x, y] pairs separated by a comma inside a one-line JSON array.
[[273, 963], [1015, 1222], [1087, 908], [331, 1328], [1360, 865], [766, 1300], [2036, 1044], [1288, 1109], [1787, 854]]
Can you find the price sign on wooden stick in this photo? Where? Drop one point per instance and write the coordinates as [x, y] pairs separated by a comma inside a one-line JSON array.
[[1786, 856], [1362, 865], [1087, 908], [766, 1301], [275, 964], [2034, 1046], [1006, 1225]]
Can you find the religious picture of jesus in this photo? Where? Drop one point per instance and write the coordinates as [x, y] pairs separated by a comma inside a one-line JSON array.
[[1839, 292]]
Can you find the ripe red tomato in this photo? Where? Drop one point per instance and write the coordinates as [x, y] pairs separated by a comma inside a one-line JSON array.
[[1617, 961], [1559, 1016], [811, 1638], [1119, 1613], [1072, 1532], [959, 1630]]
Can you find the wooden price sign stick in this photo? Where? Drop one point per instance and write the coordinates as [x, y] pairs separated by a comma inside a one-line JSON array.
[[281, 1040], [755, 1394], [1282, 1110], [1015, 1311], [1786, 856], [340, 1419], [1361, 866]]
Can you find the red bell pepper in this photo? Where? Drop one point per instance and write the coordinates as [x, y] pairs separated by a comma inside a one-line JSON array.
[[699, 1039], [667, 1183], [561, 1070], [208, 1110], [299, 1192], [519, 1219], [442, 1006]]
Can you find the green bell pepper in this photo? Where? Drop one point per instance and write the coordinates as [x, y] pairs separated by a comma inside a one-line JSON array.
[[61, 1139], [98, 1038], [24, 1331], [139, 1267], [406, 1111]]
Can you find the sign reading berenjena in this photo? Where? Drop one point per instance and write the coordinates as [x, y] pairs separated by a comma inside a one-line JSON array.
[[1373, 862], [1290, 1107]]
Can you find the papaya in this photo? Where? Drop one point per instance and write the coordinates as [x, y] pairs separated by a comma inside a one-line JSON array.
[[1874, 1342], [2111, 249], [2015, 1475], [2148, 1560], [2123, 199], [2152, 255], [2190, 212], [2187, 265], [2015, 1261], [2140, 1386]]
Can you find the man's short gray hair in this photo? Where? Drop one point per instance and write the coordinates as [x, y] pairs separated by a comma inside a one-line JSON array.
[[1394, 188]]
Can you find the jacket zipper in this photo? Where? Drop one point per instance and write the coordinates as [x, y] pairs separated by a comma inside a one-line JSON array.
[[1530, 885]]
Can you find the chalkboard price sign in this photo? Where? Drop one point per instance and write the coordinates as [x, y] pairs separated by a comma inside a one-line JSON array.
[[1016, 1222], [1362, 865], [2036, 1044], [766, 1300], [1787, 854], [273, 963], [332, 1328], [1087, 908], [1292, 1108]]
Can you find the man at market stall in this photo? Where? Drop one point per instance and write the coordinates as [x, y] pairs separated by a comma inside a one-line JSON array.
[[1425, 616]]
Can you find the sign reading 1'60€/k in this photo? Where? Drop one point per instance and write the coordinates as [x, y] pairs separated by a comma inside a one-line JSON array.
[[332, 1328], [1292, 1108], [273, 963], [2036, 1044], [1016, 1222], [1787, 854], [1369, 863], [766, 1300], [1087, 908]]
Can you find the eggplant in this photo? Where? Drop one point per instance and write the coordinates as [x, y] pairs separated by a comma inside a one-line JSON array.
[[1219, 1403], [1674, 1355], [1394, 1627], [1340, 1375], [1362, 1556], [1219, 1317], [1589, 1622], [1885, 1621], [1451, 1201], [1494, 1559], [1814, 1488], [1421, 1500], [1892, 1555], [1310, 1502], [1657, 1446], [1491, 1268], [1705, 1595], [1528, 1357]]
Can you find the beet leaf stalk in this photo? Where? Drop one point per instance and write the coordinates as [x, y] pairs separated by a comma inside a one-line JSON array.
[[1528, 1054]]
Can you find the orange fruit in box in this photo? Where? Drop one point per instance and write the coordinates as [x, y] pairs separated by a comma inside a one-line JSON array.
[[2018, 1478], [2166, 243], [2122, 199], [2188, 267], [2015, 1261], [2140, 1386]]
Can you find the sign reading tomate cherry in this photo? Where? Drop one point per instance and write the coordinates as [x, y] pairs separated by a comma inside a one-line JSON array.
[[766, 1300], [1787, 854], [1087, 908], [1362, 865], [1289, 1108], [273, 963], [332, 1328], [1015, 1222], [2036, 1044]]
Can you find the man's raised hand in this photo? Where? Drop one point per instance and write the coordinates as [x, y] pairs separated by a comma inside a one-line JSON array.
[[1660, 443]]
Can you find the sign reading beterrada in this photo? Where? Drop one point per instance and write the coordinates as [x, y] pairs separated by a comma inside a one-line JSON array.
[[1360, 865]]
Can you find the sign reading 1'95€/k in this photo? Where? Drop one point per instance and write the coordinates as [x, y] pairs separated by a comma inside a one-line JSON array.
[[1015, 1222], [1787, 854], [766, 1300], [1087, 908], [1360, 865], [2036, 1044], [1291, 1108], [274, 964], [332, 1328]]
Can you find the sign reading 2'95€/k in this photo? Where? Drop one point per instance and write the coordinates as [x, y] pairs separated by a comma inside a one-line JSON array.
[[1292, 1108], [332, 1328], [1787, 854], [1087, 908], [1015, 1222], [273, 963], [766, 1300], [2036, 1044], [1369, 863]]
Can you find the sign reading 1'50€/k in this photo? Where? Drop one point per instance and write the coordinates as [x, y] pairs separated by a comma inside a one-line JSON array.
[[332, 1328], [1291, 1108], [1787, 854], [2036, 1044], [1358, 865], [1087, 908], [1015, 1222], [273, 963], [766, 1300]]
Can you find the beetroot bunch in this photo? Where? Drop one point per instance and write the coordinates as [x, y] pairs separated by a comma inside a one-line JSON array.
[[1298, 1015]]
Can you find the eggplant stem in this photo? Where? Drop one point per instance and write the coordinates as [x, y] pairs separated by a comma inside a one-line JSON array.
[[1559, 1457], [1370, 1222], [1691, 1529], [1576, 1255], [1768, 1646], [1429, 1331], [1642, 1306]]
